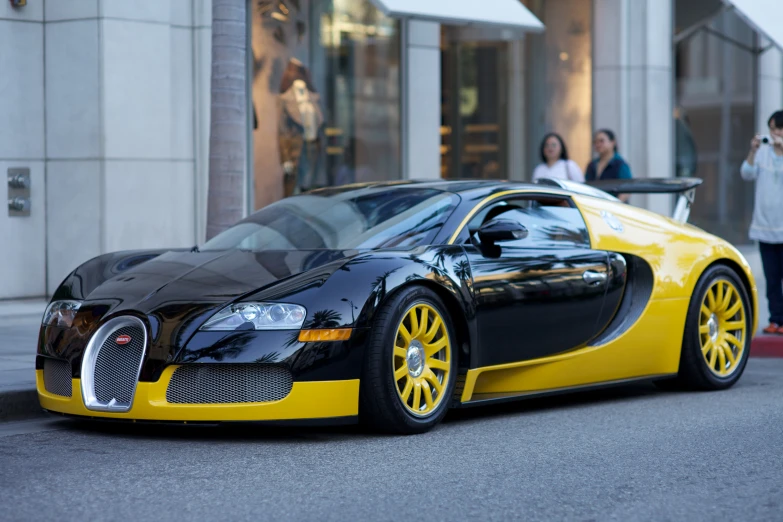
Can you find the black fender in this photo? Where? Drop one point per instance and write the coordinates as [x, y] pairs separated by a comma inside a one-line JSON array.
[[338, 290], [350, 295]]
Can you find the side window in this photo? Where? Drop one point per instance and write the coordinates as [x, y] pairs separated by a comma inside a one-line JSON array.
[[551, 222]]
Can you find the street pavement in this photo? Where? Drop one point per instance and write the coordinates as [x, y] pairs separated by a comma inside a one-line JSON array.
[[625, 454]]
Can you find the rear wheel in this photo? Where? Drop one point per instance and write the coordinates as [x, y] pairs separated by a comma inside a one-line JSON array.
[[717, 332], [410, 367]]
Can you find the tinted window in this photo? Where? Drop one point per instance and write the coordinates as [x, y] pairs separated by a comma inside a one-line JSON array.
[[381, 217], [551, 223]]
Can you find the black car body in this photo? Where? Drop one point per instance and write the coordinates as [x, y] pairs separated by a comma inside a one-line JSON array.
[[341, 254]]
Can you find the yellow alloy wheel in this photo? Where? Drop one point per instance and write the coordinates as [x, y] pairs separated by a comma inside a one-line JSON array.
[[722, 328], [421, 359]]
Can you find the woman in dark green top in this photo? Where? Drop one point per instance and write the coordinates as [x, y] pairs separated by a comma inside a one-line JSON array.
[[609, 164]]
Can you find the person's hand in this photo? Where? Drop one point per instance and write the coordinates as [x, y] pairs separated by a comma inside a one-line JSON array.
[[777, 141], [755, 143]]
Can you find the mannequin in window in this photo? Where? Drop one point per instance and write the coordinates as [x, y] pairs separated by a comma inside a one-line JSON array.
[[299, 129]]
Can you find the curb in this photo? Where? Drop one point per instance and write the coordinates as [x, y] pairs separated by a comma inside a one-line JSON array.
[[767, 346], [19, 404]]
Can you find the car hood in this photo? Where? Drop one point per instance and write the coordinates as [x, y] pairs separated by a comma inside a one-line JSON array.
[[184, 279], [176, 291]]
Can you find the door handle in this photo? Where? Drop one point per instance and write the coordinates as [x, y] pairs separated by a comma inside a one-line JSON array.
[[592, 277]]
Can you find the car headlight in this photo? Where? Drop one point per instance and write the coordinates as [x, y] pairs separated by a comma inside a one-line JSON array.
[[61, 313], [263, 316]]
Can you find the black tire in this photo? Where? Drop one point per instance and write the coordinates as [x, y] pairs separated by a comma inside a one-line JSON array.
[[380, 405], [694, 372]]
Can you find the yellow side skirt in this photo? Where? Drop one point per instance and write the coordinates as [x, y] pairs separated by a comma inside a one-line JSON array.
[[307, 400], [651, 347]]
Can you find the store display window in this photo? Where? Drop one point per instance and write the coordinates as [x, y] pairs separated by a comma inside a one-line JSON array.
[[325, 96]]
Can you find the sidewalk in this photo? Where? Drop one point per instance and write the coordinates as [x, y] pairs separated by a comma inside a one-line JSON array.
[[19, 324]]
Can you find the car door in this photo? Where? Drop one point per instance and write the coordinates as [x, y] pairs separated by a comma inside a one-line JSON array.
[[540, 295]]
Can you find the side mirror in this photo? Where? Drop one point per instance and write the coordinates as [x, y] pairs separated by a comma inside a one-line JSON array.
[[497, 230]]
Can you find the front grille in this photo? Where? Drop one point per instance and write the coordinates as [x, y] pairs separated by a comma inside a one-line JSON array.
[[110, 369], [228, 383], [57, 377], [117, 366]]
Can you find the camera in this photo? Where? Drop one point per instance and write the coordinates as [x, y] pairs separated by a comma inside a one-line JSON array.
[[766, 140]]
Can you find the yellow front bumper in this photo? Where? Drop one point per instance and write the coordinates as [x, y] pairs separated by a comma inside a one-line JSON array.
[[307, 400]]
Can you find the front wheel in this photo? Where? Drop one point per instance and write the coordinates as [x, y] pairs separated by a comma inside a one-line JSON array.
[[717, 332], [410, 364]]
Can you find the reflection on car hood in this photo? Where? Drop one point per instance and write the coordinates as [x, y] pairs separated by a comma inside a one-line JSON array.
[[187, 278]]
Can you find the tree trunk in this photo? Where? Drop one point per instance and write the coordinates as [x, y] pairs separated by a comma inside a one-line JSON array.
[[228, 116]]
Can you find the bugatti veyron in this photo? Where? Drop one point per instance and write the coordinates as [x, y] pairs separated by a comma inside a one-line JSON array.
[[390, 303]]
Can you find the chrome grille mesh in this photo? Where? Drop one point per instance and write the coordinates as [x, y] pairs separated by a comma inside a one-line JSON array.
[[228, 383], [57, 377], [117, 366]]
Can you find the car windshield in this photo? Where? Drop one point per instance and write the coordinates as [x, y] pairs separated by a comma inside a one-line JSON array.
[[371, 217]]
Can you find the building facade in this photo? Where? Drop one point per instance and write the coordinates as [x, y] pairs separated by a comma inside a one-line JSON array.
[[106, 104]]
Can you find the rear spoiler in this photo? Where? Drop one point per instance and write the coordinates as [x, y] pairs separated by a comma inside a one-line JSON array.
[[684, 187]]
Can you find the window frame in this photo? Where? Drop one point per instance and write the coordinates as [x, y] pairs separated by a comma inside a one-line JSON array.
[[464, 236]]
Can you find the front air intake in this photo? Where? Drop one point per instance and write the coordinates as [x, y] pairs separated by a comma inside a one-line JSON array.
[[57, 377], [228, 383]]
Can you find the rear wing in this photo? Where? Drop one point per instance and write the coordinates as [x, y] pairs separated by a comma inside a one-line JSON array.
[[685, 188]]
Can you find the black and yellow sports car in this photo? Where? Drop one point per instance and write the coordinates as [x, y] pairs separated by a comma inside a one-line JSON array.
[[392, 302]]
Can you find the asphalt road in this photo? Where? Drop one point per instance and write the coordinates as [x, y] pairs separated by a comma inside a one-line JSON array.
[[626, 454]]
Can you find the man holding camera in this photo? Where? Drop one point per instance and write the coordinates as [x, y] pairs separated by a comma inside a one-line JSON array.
[[764, 164]]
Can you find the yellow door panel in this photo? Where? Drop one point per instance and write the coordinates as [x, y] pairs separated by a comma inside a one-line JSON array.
[[650, 347]]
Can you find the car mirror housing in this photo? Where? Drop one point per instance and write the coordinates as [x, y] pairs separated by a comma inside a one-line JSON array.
[[498, 230]]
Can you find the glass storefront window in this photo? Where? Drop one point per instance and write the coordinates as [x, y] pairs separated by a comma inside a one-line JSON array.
[[326, 95], [501, 94], [473, 111], [714, 118]]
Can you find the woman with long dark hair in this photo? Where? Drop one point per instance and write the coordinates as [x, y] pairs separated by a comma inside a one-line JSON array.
[[555, 162], [609, 164]]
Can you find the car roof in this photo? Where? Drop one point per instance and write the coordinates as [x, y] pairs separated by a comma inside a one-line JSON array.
[[456, 186], [469, 189]]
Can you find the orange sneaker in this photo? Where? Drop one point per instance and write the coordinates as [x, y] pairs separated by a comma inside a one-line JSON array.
[[773, 328]]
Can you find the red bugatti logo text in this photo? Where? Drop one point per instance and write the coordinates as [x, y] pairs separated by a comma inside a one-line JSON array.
[[123, 339]]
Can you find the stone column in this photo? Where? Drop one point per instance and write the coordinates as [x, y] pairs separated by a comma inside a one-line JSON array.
[[146, 113], [22, 144], [124, 118], [770, 84], [107, 103], [517, 137], [421, 100], [74, 139], [202, 75], [633, 86]]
